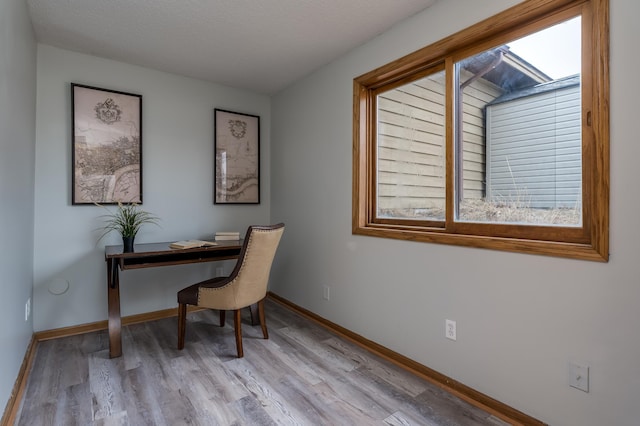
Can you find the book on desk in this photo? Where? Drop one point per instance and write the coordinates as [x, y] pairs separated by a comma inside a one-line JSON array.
[[227, 236], [187, 244]]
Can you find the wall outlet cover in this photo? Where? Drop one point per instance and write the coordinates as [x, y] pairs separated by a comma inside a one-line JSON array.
[[450, 329]]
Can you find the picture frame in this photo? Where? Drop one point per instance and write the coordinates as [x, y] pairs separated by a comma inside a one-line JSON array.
[[237, 158], [106, 134]]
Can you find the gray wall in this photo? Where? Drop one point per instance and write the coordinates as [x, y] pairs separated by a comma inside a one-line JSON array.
[[177, 145], [17, 142], [515, 335], [520, 318]]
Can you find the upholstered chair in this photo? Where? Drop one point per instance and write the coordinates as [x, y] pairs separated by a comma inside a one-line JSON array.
[[246, 286]]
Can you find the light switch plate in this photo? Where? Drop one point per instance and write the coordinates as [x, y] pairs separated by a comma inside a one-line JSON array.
[[579, 376], [325, 292]]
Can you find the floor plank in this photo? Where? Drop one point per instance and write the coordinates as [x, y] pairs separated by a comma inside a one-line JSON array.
[[302, 375]]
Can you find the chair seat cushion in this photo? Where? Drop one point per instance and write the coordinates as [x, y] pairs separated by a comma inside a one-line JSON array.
[[189, 295]]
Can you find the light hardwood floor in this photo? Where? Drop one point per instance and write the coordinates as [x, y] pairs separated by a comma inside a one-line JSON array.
[[302, 375]]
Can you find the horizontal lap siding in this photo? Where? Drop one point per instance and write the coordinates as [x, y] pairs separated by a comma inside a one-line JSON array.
[[534, 149], [411, 147], [474, 99], [411, 144]]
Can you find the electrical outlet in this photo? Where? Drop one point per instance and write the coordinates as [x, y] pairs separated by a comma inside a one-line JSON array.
[[579, 376], [325, 294], [450, 329]]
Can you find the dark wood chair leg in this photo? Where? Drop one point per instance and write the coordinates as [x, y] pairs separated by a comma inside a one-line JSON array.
[[222, 317], [263, 322], [253, 309], [182, 324], [238, 326]]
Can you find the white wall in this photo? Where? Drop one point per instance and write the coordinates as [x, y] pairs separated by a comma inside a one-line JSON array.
[[177, 169], [520, 317], [17, 145]]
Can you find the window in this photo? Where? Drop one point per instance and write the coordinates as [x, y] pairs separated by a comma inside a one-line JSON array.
[[495, 137]]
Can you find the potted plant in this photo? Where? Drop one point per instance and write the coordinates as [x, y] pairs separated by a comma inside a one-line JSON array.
[[127, 220]]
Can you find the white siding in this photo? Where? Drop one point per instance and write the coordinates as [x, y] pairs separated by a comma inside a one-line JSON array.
[[534, 150]]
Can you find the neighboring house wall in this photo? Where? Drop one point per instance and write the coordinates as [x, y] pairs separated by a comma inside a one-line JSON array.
[[540, 169], [411, 141], [411, 145], [474, 99]]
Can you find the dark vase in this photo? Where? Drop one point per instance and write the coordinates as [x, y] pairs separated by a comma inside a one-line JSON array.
[[127, 244]]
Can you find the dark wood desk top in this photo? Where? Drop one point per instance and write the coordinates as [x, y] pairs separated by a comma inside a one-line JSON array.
[[160, 248], [148, 255]]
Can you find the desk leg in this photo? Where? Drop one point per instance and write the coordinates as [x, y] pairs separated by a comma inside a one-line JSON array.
[[113, 288]]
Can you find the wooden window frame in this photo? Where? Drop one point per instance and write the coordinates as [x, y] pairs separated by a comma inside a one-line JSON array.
[[590, 241]]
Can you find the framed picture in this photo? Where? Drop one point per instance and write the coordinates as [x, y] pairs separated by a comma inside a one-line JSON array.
[[237, 158], [107, 146]]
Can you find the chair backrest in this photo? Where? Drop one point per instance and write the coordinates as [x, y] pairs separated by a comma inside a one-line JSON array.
[[248, 281]]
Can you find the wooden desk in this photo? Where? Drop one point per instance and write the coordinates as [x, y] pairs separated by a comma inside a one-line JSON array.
[[150, 256]]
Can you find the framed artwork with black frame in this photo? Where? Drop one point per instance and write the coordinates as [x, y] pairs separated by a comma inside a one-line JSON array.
[[237, 158], [107, 146]]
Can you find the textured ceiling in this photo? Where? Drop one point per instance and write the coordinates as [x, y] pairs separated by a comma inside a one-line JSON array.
[[259, 45]]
